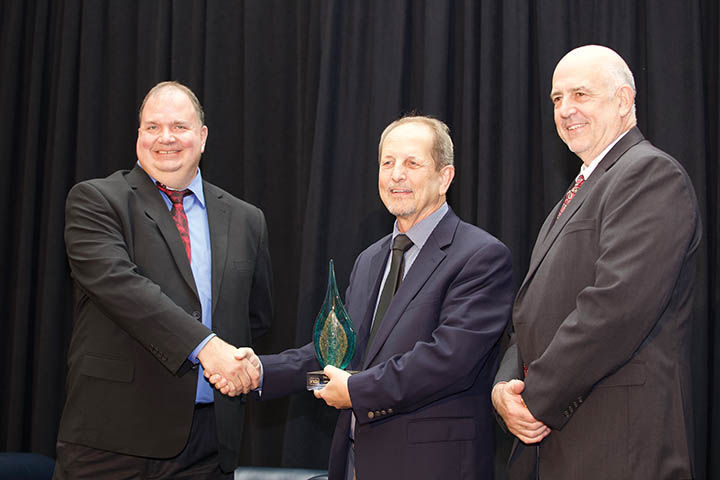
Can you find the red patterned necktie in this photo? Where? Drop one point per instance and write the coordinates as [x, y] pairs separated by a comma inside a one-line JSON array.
[[570, 194], [178, 213]]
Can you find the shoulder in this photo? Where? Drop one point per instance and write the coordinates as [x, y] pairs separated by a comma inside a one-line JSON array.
[[470, 240], [213, 192], [646, 166], [467, 232], [383, 244], [248, 214], [112, 184]]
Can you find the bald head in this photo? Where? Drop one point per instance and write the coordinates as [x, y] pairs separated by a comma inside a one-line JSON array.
[[594, 97], [602, 59]]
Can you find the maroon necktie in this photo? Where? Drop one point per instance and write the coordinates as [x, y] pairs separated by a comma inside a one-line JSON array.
[[178, 213], [570, 194]]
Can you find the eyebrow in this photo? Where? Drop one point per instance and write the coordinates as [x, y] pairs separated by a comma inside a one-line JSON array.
[[575, 89]]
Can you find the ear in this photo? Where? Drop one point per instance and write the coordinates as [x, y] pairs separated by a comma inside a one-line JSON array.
[[626, 96], [447, 173], [203, 138]]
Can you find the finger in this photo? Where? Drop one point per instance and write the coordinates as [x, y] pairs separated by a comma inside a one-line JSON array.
[[330, 371], [243, 352], [254, 375], [255, 362], [243, 381], [219, 381], [534, 431], [534, 438], [252, 371], [516, 386], [232, 389]]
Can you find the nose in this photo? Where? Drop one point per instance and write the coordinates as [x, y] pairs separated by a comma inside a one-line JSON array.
[[166, 136], [398, 172], [565, 108]]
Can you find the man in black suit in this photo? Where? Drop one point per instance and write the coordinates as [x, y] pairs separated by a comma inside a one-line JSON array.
[[169, 271], [596, 383]]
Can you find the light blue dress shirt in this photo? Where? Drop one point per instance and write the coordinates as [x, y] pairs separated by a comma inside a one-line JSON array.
[[201, 265]]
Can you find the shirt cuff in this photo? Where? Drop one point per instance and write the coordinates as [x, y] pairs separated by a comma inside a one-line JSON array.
[[262, 377], [193, 356]]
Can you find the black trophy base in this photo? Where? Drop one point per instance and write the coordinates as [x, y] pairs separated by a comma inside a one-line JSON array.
[[317, 380]]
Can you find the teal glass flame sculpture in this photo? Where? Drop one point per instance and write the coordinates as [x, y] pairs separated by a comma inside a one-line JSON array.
[[333, 334]]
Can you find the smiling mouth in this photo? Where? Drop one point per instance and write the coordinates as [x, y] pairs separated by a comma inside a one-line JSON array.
[[167, 152], [575, 127]]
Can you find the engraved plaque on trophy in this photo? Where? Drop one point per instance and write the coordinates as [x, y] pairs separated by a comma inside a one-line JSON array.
[[333, 335]]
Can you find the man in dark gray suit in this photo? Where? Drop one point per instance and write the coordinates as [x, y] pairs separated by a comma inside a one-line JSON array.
[[169, 271], [596, 382]]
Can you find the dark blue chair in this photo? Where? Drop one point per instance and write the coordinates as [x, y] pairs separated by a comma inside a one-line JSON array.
[[25, 466]]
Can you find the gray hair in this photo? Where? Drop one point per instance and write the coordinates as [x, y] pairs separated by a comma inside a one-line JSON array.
[[442, 149]]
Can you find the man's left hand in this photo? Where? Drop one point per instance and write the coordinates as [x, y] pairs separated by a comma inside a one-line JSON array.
[[336, 392]]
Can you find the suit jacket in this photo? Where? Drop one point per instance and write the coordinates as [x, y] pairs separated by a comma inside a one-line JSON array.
[[602, 322], [130, 387], [422, 397]]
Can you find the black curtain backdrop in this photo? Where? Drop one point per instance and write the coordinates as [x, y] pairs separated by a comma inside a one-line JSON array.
[[296, 95]]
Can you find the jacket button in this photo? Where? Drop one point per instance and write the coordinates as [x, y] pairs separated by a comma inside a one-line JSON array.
[[371, 415], [196, 314], [384, 412], [390, 411]]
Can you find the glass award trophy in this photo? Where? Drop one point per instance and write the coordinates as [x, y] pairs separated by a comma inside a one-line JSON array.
[[333, 335]]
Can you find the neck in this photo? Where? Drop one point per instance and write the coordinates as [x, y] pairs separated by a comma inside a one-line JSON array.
[[405, 223]]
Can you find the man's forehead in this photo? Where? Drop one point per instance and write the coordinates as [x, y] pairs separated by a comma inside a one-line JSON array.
[[166, 102], [576, 78]]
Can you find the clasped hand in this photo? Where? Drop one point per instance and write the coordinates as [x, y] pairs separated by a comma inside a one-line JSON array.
[[510, 405], [233, 371]]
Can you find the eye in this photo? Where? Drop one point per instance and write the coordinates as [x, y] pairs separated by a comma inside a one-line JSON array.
[[180, 127], [556, 99]]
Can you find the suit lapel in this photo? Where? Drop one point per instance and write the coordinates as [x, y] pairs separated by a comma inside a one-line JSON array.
[[551, 228], [377, 268], [427, 261], [218, 212], [156, 210]]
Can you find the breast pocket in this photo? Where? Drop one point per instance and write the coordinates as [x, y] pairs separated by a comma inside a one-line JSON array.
[[579, 225]]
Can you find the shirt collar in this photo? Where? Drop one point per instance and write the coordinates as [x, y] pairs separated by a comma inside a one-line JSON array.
[[420, 232], [587, 171], [196, 186]]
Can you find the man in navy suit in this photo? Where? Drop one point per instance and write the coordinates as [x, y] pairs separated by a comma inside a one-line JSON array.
[[420, 406]]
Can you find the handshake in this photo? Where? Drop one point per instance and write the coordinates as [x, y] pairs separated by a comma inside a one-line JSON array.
[[233, 371]]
